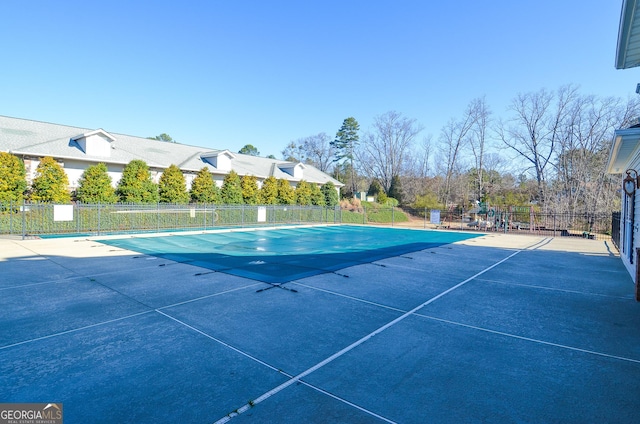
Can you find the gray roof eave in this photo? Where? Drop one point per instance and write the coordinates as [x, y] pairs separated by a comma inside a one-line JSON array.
[[624, 148], [628, 47], [83, 159]]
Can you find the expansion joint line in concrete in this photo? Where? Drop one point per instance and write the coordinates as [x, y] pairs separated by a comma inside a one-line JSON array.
[[353, 405], [357, 343], [150, 310], [227, 345], [532, 340], [74, 330]]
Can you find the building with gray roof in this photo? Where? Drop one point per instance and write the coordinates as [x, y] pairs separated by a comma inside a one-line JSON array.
[[77, 148]]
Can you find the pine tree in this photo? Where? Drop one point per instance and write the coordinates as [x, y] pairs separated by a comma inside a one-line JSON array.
[[172, 187], [345, 144], [375, 188], [317, 197], [286, 194], [50, 183], [395, 189], [249, 185], [204, 189], [303, 193], [330, 194], [13, 178], [231, 192], [268, 194], [95, 186], [250, 150], [136, 185]]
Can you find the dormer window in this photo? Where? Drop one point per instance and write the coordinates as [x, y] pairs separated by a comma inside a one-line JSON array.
[[95, 143], [296, 170], [220, 160]]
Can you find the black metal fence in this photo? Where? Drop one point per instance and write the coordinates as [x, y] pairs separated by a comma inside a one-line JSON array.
[[615, 229], [35, 219], [518, 220]]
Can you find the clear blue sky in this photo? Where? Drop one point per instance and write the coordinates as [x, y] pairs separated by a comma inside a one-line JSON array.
[[223, 74]]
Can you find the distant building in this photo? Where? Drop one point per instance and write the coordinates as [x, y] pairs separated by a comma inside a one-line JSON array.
[[77, 148]]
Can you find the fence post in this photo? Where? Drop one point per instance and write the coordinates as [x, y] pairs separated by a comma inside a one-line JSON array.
[[506, 219], [11, 216], [77, 208], [392, 214], [425, 218], [24, 222], [204, 215], [532, 220]]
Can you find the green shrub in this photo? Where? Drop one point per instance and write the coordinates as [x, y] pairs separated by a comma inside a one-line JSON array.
[[303, 193], [428, 200], [204, 189], [13, 182], [136, 185], [331, 197], [231, 192], [249, 185], [50, 183], [94, 186], [268, 194], [317, 197], [172, 187], [391, 202], [286, 193]]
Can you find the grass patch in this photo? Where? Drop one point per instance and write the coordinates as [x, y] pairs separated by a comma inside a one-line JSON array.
[[378, 215], [386, 216], [349, 217]]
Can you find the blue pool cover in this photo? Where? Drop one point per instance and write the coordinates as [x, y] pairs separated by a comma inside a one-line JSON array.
[[281, 255]]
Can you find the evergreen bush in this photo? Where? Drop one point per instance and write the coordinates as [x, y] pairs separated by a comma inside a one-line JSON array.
[[249, 185], [94, 186], [136, 185], [50, 183], [13, 178], [172, 187], [231, 192], [268, 194], [204, 188]]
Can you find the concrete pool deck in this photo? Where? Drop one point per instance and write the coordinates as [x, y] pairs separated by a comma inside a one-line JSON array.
[[498, 328]]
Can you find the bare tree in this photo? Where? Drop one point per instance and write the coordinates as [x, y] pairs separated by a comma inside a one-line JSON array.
[[582, 183], [318, 150], [384, 153], [480, 116], [294, 152], [582, 136], [453, 137], [534, 130], [422, 162]]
